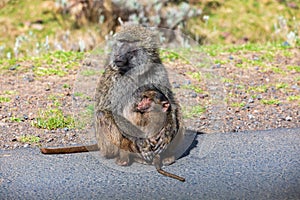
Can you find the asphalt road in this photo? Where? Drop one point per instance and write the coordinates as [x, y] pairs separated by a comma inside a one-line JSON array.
[[248, 165]]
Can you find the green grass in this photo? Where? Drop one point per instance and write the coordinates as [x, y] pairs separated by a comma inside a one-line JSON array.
[[53, 119], [66, 86], [227, 80], [195, 75], [29, 139], [90, 109], [89, 72], [195, 111], [17, 15], [168, 55], [278, 70], [293, 98], [55, 99], [194, 88], [260, 88], [15, 119], [235, 20], [240, 105], [294, 68], [270, 101], [48, 64], [281, 85], [4, 99], [10, 92]]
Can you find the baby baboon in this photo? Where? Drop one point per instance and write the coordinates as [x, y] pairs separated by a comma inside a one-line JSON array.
[[137, 117]]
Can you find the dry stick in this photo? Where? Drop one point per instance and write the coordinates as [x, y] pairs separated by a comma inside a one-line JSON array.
[[161, 171], [65, 150]]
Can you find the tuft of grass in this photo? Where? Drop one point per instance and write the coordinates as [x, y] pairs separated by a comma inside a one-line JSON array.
[[54, 63], [227, 80], [78, 94], [67, 86], [4, 99], [42, 71], [10, 92], [293, 98], [15, 119], [269, 20], [193, 111], [240, 105], [277, 70], [260, 88], [195, 75], [29, 139], [194, 88], [90, 109], [89, 72], [294, 68], [270, 101], [281, 85], [167, 55], [53, 119]]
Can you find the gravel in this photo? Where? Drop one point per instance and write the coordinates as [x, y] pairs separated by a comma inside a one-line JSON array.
[[230, 106]]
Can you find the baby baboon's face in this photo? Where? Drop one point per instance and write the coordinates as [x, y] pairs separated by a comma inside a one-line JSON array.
[[150, 99]]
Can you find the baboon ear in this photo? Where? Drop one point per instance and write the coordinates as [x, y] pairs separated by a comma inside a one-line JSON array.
[[166, 106]]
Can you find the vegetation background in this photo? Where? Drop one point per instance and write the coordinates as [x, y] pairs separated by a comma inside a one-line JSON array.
[[253, 47]]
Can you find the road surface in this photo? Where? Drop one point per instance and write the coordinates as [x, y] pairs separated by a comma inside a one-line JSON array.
[[246, 165]]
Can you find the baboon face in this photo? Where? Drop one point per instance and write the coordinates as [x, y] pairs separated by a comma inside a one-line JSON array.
[[127, 54]]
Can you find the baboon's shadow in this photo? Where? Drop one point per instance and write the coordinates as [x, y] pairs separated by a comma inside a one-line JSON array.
[[189, 142]]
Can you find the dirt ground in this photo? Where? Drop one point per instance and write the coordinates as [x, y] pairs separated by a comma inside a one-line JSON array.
[[234, 97]]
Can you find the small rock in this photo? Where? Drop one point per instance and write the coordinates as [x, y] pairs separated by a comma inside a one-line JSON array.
[[28, 78], [25, 117], [176, 85], [202, 96], [259, 97], [273, 89], [36, 26], [288, 118], [218, 65], [14, 67], [6, 146], [227, 84], [240, 61], [285, 44], [230, 57], [49, 140], [251, 116], [247, 106], [237, 128], [66, 129], [256, 58], [26, 145], [188, 82], [193, 95], [295, 87], [251, 100]]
